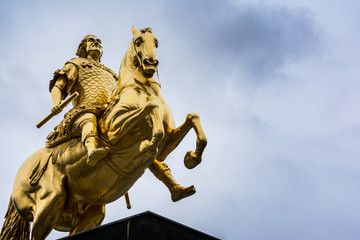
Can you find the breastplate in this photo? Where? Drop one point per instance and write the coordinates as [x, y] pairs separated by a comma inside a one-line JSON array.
[[95, 85]]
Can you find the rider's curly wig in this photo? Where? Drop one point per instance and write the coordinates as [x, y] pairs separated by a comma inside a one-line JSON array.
[[81, 51]]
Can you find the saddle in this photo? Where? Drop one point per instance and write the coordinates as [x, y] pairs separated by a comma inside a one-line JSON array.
[[62, 132]]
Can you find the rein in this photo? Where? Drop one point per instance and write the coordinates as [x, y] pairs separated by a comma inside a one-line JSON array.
[[157, 73], [137, 54], [124, 86]]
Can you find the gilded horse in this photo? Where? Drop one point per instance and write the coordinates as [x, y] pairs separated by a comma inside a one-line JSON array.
[[56, 188]]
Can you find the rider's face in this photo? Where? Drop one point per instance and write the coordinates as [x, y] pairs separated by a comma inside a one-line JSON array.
[[93, 44]]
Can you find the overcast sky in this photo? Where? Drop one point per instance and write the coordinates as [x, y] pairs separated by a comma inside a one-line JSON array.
[[276, 84]]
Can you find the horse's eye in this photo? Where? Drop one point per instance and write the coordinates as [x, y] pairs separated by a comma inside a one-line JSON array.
[[138, 42]]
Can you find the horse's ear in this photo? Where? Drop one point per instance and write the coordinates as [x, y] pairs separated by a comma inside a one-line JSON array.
[[134, 30]]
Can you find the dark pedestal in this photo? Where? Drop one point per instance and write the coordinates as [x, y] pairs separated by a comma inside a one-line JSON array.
[[147, 225]]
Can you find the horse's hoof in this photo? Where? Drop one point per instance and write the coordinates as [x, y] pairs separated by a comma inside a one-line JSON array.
[[191, 160], [180, 192]]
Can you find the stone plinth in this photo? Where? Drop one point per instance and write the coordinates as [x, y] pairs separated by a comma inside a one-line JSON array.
[[147, 225]]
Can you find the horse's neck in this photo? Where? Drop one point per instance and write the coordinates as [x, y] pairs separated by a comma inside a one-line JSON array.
[[127, 68]]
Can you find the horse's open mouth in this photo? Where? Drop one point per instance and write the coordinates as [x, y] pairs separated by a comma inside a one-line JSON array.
[[149, 70], [149, 66]]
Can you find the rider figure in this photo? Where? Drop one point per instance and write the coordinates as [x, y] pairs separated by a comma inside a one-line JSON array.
[[94, 82]]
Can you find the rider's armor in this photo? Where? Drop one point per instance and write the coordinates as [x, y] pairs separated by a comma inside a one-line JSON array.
[[95, 83]]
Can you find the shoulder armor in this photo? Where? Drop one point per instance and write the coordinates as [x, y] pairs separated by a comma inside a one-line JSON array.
[[69, 70], [76, 61]]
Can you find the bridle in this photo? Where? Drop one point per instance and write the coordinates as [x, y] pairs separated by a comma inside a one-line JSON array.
[[139, 59]]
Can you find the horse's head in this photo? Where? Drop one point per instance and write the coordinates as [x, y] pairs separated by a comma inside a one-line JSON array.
[[145, 44]]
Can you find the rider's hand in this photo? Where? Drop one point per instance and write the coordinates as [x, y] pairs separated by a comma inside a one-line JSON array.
[[56, 109]]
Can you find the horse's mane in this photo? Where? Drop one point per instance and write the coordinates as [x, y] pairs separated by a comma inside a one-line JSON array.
[[146, 30]]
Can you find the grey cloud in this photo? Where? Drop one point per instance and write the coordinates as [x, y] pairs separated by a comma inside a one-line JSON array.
[[282, 157], [257, 39]]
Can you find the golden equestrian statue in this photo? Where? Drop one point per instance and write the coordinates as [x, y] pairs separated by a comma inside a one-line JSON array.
[[118, 127]]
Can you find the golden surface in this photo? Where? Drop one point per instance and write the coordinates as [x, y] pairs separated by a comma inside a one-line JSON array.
[[103, 147]]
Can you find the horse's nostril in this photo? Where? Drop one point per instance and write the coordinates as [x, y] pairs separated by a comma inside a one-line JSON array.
[[150, 61]]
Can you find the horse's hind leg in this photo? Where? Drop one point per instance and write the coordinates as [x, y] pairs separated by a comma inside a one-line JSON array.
[[92, 217], [47, 213], [192, 159], [48, 208], [163, 173]]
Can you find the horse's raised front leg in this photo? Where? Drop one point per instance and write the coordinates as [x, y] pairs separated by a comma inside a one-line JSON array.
[[192, 159], [119, 122], [151, 146]]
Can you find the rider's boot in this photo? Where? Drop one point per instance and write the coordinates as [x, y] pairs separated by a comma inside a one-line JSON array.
[[94, 152], [163, 173]]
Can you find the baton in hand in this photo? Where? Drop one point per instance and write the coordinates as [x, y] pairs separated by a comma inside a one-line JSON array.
[[62, 106]]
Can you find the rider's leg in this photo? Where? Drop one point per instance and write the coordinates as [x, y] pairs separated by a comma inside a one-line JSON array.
[[89, 137], [163, 173], [91, 218]]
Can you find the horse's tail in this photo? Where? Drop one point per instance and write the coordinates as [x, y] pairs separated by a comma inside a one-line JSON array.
[[15, 227]]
